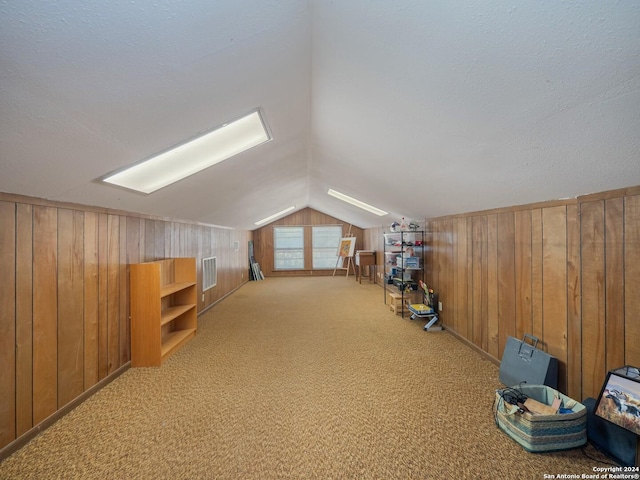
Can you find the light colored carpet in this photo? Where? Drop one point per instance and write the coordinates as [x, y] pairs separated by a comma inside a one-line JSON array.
[[300, 378]]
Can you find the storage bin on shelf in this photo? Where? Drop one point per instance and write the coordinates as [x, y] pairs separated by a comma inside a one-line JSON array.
[[411, 262], [406, 284]]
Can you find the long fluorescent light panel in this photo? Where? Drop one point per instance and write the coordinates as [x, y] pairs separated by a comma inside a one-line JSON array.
[[275, 215], [193, 156], [357, 203]]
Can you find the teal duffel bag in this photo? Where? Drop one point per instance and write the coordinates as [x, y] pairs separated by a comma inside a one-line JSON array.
[[541, 433]]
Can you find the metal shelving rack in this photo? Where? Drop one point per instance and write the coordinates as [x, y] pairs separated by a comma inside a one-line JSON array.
[[401, 272]]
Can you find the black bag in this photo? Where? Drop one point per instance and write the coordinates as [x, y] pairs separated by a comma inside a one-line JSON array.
[[524, 363]]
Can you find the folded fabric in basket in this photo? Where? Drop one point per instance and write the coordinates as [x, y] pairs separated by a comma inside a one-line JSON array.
[[540, 408]]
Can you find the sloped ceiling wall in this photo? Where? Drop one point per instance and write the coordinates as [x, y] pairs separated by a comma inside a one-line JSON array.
[[420, 108]]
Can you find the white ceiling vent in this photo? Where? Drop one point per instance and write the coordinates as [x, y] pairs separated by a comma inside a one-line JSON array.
[[209, 273]]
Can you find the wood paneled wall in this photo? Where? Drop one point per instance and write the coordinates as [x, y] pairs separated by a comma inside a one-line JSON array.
[[374, 240], [308, 217], [64, 312], [567, 272]]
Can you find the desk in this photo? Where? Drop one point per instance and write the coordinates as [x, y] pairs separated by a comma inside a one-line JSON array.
[[366, 258]]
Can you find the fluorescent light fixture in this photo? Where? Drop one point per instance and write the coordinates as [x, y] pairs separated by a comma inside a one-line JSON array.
[[357, 203], [275, 215], [192, 156]]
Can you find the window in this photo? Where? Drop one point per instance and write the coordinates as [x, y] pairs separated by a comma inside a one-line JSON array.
[[306, 247], [325, 241], [288, 246]]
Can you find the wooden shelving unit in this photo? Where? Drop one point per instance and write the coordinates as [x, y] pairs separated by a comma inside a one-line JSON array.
[[163, 309]]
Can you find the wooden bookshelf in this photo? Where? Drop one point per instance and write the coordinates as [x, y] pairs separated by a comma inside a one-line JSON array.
[[163, 309]]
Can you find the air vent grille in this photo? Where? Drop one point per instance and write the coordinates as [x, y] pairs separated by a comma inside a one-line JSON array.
[[209, 273]]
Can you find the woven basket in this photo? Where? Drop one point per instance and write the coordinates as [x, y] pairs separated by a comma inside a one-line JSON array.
[[543, 433]]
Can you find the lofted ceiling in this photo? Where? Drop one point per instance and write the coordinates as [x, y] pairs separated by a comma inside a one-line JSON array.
[[421, 108]]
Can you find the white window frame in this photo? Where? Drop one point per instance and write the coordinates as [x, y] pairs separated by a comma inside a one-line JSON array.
[[326, 250], [277, 265]]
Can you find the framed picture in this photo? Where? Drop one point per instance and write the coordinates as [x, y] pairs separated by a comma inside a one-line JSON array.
[[619, 400], [347, 247]]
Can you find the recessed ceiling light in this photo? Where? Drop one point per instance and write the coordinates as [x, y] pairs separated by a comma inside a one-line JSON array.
[[192, 156], [275, 215], [357, 203]]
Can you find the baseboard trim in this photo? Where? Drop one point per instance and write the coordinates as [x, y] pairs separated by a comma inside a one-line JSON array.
[[472, 345], [205, 309], [26, 437]]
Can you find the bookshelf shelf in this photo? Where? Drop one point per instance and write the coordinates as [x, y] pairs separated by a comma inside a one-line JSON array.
[[163, 309]]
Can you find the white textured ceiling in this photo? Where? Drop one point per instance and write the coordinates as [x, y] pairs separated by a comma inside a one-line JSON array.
[[420, 108]]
